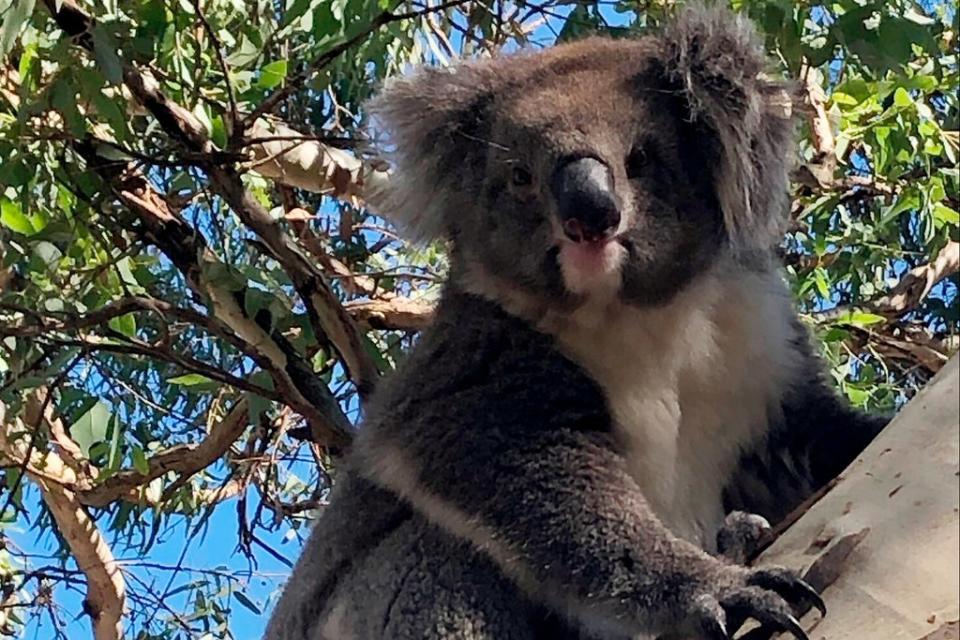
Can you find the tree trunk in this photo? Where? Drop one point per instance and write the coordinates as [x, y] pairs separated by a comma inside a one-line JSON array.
[[885, 540]]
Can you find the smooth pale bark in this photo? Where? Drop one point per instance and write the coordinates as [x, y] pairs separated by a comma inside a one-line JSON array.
[[887, 535], [286, 156]]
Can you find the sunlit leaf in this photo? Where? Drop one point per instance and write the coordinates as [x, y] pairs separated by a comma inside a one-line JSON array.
[[91, 427], [272, 74], [861, 319], [125, 324], [190, 380], [139, 460], [12, 217]]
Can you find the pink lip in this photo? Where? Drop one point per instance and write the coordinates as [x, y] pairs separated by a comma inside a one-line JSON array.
[[598, 256]]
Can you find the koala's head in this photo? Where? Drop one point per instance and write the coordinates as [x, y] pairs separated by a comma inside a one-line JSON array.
[[623, 164]]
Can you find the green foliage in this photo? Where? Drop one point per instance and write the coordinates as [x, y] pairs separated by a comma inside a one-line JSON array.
[[879, 198]]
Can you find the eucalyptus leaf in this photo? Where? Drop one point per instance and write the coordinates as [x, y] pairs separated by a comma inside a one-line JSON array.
[[91, 428], [190, 380], [12, 217], [272, 74], [105, 51], [15, 17]]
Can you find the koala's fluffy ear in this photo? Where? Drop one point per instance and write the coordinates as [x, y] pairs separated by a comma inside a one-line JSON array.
[[429, 117], [718, 60]]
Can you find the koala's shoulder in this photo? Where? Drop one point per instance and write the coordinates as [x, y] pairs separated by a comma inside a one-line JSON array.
[[484, 367]]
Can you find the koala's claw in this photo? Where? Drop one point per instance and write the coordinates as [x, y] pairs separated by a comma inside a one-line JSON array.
[[765, 596], [711, 619], [788, 585], [767, 607]]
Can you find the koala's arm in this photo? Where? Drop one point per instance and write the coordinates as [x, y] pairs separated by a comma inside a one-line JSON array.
[[556, 510], [818, 435]]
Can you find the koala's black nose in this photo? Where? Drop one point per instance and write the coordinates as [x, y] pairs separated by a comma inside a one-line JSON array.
[[589, 210]]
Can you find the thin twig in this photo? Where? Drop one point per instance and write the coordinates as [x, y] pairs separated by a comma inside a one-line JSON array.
[[333, 53], [218, 50]]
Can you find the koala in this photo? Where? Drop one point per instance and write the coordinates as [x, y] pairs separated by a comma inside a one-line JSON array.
[[615, 365]]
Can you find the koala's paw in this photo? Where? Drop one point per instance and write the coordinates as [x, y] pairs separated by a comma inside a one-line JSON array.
[[741, 535], [764, 595]]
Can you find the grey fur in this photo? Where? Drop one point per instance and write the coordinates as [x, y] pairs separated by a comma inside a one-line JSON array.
[[507, 482], [720, 62], [742, 535]]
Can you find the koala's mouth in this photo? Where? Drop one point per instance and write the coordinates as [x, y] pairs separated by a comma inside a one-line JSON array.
[[591, 267]]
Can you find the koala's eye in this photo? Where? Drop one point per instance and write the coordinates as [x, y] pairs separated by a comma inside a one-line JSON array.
[[520, 177], [637, 162]]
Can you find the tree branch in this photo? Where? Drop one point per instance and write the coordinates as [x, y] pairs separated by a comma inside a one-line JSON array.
[[192, 365], [323, 307], [296, 82], [916, 284], [288, 157], [186, 460], [819, 174], [400, 314], [218, 51], [106, 589], [861, 536], [907, 294], [294, 378], [823, 139]]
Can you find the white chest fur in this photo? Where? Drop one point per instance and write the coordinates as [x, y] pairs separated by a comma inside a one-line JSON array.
[[689, 384]]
